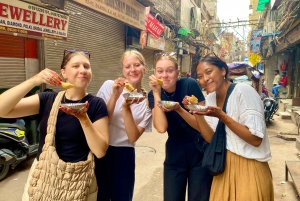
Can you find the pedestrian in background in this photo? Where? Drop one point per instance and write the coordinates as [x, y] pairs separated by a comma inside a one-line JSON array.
[[185, 146], [281, 84], [129, 119], [247, 175], [77, 131], [276, 78]]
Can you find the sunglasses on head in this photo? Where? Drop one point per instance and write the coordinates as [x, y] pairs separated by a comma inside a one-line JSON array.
[[74, 50], [161, 54]]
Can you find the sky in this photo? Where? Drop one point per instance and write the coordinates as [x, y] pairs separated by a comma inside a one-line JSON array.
[[233, 10]]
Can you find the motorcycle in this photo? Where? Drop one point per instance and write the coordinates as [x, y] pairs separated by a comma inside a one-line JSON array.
[[270, 107], [19, 139]]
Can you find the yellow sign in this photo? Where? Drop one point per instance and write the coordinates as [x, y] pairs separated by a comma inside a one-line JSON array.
[[128, 11], [254, 58]]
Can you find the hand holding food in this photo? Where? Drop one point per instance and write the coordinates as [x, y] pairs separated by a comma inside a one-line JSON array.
[[67, 85], [193, 100], [129, 87], [47, 76], [159, 81]]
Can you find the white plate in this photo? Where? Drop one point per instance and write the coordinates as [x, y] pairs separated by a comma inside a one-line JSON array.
[[133, 95], [74, 106], [199, 108], [167, 104]]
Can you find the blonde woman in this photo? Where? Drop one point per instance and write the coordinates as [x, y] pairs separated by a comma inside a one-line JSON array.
[[129, 119], [185, 146]]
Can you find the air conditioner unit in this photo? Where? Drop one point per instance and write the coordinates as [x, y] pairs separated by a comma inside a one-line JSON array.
[[271, 27], [195, 19], [167, 32]]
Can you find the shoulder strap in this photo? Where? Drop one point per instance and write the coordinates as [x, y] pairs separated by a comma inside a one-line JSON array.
[[230, 89]]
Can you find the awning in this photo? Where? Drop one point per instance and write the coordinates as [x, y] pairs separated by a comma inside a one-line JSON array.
[[261, 4], [184, 32]]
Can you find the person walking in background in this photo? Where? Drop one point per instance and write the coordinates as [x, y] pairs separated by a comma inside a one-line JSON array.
[[185, 146], [77, 131], [276, 78], [129, 119], [282, 84], [247, 175]]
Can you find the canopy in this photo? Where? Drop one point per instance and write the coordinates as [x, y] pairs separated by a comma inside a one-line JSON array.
[[261, 5], [239, 69]]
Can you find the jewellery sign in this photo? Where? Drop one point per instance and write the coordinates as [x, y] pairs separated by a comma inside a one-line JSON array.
[[154, 26], [128, 11], [24, 18]]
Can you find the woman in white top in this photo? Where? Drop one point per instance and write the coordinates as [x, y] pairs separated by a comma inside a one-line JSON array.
[[247, 175], [128, 120]]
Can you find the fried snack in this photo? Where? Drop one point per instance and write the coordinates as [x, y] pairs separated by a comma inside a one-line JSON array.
[[67, 85], [193, 99], [159, 81], [129, 87]]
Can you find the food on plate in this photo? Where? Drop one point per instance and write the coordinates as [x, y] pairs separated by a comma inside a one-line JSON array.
[[193, 99], [159, 81], [199, 108], [129, 87], [167, 104], [66, 85]]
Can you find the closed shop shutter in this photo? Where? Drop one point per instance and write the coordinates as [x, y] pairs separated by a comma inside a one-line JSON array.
[[12, 61], [149, 56], [186, 64], [102, 36]]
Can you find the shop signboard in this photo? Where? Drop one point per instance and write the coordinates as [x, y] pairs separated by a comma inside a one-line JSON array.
[[255, 41], [130, 12], [154, 26], [19, 17], [157, 44]]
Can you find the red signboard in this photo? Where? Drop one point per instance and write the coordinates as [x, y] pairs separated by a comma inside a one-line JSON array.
[[154, 26]]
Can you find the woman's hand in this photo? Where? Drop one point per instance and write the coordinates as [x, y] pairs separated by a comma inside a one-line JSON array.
[[211, 111], [118, 86], [127, 102], [47, 76], [174, 108], [153, 84], [80, 114]]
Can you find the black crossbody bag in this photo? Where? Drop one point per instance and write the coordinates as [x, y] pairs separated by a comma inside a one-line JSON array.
[[215, 153]]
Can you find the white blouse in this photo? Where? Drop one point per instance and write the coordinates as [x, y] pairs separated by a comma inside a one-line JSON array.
[[244, 106]]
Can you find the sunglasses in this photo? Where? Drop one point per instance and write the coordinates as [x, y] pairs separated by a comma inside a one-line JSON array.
[[161, 54], [74, 50]]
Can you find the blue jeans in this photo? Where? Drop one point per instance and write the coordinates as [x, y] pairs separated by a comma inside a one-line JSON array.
[[275, 89]]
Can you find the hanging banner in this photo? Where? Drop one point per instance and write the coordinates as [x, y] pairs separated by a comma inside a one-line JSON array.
[[130, 12], [154, 26], [255, 41], [24, 18]]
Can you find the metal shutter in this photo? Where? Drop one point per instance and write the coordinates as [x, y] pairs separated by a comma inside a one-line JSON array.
[[12, 61], [149, 57], [102, 36]]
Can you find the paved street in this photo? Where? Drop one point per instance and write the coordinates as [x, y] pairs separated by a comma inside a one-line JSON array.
[[149, 168]]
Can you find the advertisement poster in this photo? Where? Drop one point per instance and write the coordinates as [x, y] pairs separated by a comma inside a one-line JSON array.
[[25, 18], [255, 41]]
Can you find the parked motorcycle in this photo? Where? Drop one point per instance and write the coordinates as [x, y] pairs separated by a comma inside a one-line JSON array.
[[270, 107]]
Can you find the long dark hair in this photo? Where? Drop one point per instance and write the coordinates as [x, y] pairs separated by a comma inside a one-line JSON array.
[[213, 60]]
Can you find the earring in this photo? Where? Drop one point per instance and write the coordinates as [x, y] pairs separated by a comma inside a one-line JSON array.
[[224, 77]]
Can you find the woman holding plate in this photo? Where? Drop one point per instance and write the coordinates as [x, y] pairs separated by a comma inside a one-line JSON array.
[[185, 145], [129, 118]]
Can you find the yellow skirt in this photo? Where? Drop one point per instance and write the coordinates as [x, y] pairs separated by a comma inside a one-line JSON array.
[[243, 180]]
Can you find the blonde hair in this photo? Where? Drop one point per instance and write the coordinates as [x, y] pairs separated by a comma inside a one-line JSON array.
[[140, 57], [166, 56]]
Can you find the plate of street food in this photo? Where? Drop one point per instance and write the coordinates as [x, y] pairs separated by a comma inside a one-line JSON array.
[[198, 108], [66, 85], [193, 100], [133, 95], [73, 106], [167, 104]]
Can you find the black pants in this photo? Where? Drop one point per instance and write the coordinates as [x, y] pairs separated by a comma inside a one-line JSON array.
[[183, 168], [115, 174]]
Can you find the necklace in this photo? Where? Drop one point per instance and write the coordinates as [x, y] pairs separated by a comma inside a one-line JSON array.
[[170, 97], [71, 100]]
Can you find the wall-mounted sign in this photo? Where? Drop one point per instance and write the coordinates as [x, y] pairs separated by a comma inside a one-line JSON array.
[[56, 3], [255, 41], [128, 11], [157, 44], [24, 18], [154, 26]]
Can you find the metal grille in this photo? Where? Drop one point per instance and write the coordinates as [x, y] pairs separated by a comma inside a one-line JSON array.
[[12, 61], [102, 36], [149, 57]]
